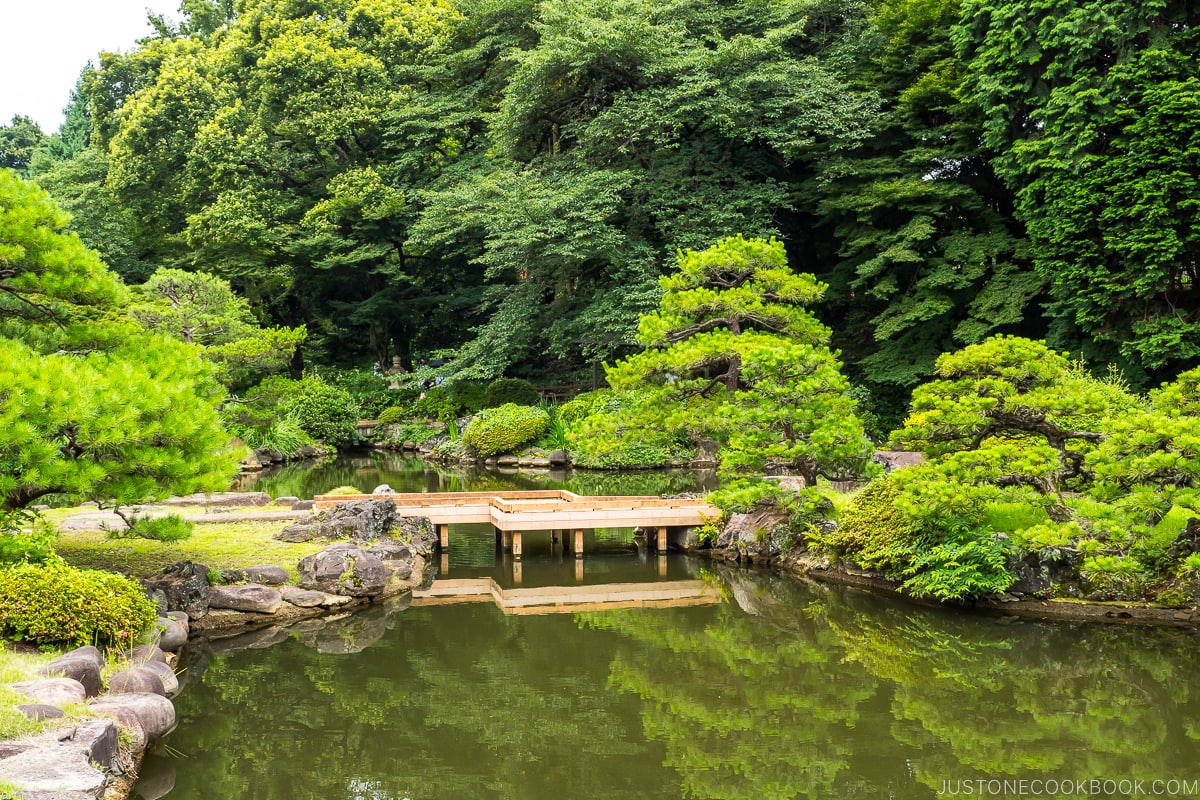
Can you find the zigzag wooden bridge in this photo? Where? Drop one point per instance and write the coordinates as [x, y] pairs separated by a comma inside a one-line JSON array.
[[514, 513]]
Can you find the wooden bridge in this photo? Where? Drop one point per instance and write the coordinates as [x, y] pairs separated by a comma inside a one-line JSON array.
[[568, 599], [512, 513]]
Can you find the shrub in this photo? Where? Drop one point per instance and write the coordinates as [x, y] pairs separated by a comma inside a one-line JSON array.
[[25, 538], [324, 412], [504, 429], [283, 434], [450, 401], [52, 603], [584, 405], [345, 490], [873, 532], [390, 415], [171, 528], [969, 564], [516, 391]]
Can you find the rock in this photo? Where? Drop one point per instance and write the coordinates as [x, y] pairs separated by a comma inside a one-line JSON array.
[[170, 680], [286, 500], [418, 533], [303, 505], [136, 680], [539, 463], [559, 458], [171, 635], [1038, 572], [756, 535], [80, 668], [181, 618], [706, 455], [220, 499], [267, 456], [159, 598], [308, 451], [127, 720], [40, 711], [155, 712], [360, 520], [683, 537], [250, 464], [344, 569], [144, 653], [897, 459], [790, 483], [507, 461], [52, 691], [66, 763], [186, 586], [398, 557], [264, 573], [302, 598], [246, 597], [383, 488]]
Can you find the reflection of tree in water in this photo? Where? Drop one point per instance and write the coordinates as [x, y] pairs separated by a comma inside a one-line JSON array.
[[452, 703], [746, 703], [979, 699]]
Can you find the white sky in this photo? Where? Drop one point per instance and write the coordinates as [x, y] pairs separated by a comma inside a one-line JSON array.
[[44, 45]]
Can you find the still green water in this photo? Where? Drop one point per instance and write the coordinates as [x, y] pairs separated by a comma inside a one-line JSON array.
[[783, 689]]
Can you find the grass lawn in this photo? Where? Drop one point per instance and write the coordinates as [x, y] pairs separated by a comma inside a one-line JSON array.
[[215, 545], [23, 666]]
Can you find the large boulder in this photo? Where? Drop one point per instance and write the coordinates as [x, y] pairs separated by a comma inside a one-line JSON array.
[[398, 557], [52, 691], [418, 533], [344, 569], [359, 520], [136, 680], [756, 536], [156, 713], [246, 597], [81, 668], [186, 587], [170, 680], [172, 635], [68, 762]]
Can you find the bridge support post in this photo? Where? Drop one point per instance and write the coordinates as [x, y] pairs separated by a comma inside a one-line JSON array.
[[577, 547], [518, 571], [444, 564], [662, 565], [579, 569], [662, 540], [443, 536], [516, 544]]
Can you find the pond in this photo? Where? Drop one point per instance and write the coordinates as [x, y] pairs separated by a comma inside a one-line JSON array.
[[772, 687]]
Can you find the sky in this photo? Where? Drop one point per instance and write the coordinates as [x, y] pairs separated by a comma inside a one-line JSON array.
[[44, 44]]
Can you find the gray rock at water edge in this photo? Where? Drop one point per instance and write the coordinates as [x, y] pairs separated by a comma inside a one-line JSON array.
[[359, 520], [418, 533], [126, 718], [186, 586], [344, 569], [80, 668], [559, 458], [302, 598], [220, 499], [52, 691], [156, 713], [88, 652], [267, 456], [250, 464], [507, 461], [171, 635], [170, 680], [159, 598], [286, 500], [66, 763], [398, 557], [40, 711], [303, 505], [246, 597], [757, 535], [383, 488], [181, 618], [136, 680], [268, 574]]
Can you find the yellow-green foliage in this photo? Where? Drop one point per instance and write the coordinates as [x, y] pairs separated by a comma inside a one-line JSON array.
[[504, 429], [344, 490], [873, 532], [57, 603], [390, 415]]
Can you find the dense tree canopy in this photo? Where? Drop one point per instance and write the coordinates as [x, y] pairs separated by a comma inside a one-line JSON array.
[[501, 183]]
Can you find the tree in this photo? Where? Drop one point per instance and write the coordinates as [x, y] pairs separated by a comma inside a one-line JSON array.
[[54, 291], [733, 353], [1092, 110], [201, 309], [19, 141], [91, 407], [119, 427]]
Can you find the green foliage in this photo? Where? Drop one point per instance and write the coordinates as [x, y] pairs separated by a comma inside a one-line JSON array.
[[344, 490], [969, 563], [320, 411], [873, 532], [737, 360], [169, 528], [517, 391], [390, 415], [504, 429], [617, 431], [55, 603], [282, 434], [25, 538], [450, 400]]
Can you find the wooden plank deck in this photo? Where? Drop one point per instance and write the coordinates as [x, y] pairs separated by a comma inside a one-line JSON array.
[[512, 513]]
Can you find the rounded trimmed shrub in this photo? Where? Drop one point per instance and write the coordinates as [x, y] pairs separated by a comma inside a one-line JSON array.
[[390, 415], [54, 602], [517, 391], [504, 429]]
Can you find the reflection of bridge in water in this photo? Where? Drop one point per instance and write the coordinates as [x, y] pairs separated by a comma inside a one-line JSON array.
[[568, 599], [557, 511]]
